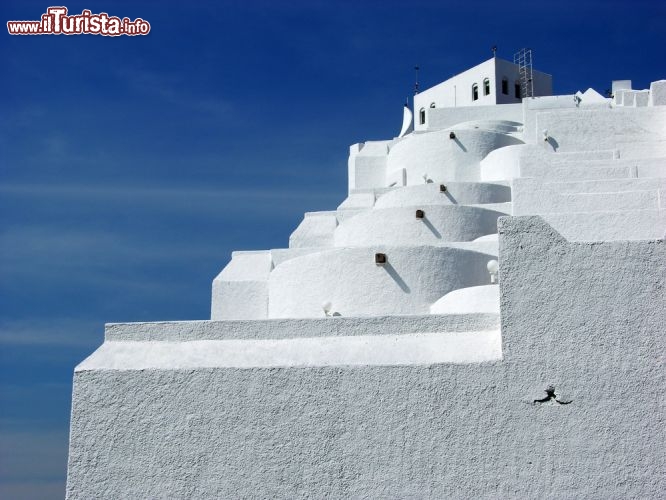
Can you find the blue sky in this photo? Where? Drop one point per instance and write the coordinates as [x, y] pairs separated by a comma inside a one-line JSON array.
[[131, 167]]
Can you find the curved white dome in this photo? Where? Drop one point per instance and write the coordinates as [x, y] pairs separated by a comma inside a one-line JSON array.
[[456, 193], [504, 163], [502, 126], [348, 278], [475, 299], [399, 226], [488, 237], [443, 158]]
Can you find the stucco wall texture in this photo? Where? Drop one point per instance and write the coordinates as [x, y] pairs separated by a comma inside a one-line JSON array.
[[374, 358], [432, 431]]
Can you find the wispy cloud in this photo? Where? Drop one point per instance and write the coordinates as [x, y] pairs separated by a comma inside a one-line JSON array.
[[110, 245], [172, 89], [69, 332], [197, 198], [57, 261], [32, 489], [33, 464]]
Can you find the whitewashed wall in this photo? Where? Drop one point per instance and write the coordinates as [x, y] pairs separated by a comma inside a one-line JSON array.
[[413, 278], [442, 430], [442, 158]]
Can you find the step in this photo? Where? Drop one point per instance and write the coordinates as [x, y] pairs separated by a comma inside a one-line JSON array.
[[333, 341], [609, 226], [607, 185], [542, 201]]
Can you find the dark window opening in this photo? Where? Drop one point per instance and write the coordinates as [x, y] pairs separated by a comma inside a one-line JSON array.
[[475, 92], [486, 86], [505, 86], [517, 91], [432, 104], [422, 116]]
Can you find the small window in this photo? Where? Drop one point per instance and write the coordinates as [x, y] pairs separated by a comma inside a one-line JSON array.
[[475, 92], [505, 86], [422, 116], [486, 87], [517, 91], [432, 104]]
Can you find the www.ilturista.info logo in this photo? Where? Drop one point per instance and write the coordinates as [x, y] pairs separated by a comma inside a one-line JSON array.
[[57, 22]]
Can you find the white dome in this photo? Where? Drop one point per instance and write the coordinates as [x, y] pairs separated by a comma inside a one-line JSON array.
[[475, 299], [443, 158]]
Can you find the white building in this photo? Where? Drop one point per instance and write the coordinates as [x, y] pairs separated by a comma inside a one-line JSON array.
[[482, 317], [495, 81]]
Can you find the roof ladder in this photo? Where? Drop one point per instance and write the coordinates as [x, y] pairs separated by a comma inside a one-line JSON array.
[[523, 58]]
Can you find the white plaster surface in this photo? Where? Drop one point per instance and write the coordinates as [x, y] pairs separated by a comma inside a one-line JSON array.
[[407, 122], [358, 200], [609, 226], [456, 193], [618, 97], [490, 125], [247, 266], [240, 291], [445, 159], [620, 85], [642, 98], [367, 164], [456, 92], [396, 178], [638, 149], [474, 299], [550, 169], [279, 255], [628, 97], [239, 299], [488, 237], [592, 98], [428, 431], [181, 331], [658, 93], [356, 286], [444, 118], [581, 129], [316, 230], [550, 102], [606, 185], [531, 107], [403, 384], [399, 226], [502, 163], [364, 350], [534, 199]]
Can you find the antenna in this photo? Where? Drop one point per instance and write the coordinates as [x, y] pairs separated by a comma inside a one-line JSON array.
[[523, 58], [494, 49], [416, 81]]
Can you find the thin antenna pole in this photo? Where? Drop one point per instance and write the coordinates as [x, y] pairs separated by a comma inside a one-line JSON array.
[[416, 81]]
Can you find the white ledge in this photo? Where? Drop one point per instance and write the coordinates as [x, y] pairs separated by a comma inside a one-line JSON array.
[[362, 350]]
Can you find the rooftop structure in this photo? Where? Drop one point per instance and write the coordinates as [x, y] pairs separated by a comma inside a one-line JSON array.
[[482, 316], [495, 81]]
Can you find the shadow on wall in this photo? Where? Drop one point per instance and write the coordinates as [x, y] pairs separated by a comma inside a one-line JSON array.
[[432, 228], [396, 277], [553, 143], [448, 194], [462, 146]]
